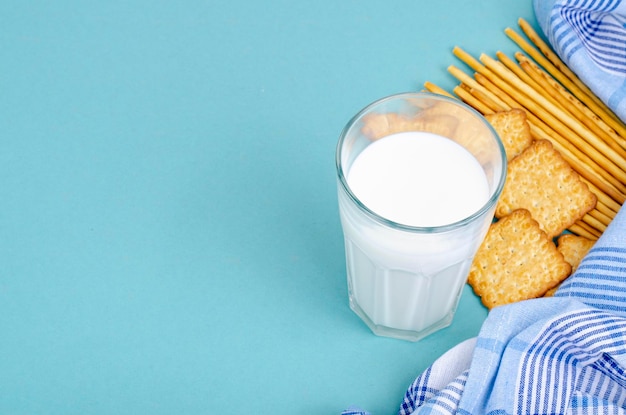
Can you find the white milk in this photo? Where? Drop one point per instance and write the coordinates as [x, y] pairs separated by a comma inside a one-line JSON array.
[[419, 179], [403, 280]]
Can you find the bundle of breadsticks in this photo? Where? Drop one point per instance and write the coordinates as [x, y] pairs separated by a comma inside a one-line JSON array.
[[575, 147]]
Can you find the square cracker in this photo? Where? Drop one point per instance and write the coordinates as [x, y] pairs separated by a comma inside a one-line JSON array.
[[516, 261], [379, 125], [574, 248], [513, 128], [541, 181], [438, 117]]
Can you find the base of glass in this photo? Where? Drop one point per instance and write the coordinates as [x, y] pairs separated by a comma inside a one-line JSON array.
[[400, 334]]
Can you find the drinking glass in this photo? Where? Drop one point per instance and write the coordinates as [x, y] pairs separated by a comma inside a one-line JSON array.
[[406, 281]]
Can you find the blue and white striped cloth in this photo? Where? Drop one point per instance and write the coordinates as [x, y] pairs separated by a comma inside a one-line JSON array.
[[560, 355], [590, 37]]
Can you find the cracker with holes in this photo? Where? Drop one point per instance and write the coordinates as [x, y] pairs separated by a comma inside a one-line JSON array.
[[574, 248], [541, 181], [516, 261], [513, 128], [379, 125]]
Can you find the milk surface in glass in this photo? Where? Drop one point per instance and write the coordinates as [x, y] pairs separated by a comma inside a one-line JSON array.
[[419, 179], [407, 282]]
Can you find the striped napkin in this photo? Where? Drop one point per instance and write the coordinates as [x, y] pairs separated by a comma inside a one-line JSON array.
[[559, 355], [590, 37]]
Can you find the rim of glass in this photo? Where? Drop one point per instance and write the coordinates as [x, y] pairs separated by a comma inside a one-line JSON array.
[[420, 229]]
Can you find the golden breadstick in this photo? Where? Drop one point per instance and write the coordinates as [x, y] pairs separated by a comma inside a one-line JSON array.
[[548, 60], [507, 101], [430, 87], [544, 56], [567, 105], [562, 122], [467, 96], [596, 220], [555, 61], [574, 106], [604, 210], [493, 93], [599, 215], [605, 204], [582, 229], [469, 81], [468, 59], [524, 76]]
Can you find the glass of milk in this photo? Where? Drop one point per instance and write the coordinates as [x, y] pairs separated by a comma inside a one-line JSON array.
[[419, 176]]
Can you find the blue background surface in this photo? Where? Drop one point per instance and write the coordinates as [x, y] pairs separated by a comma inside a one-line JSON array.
[[169, 234]]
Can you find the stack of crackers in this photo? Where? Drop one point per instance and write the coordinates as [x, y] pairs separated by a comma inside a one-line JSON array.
[[525, 253], [571, 129]]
